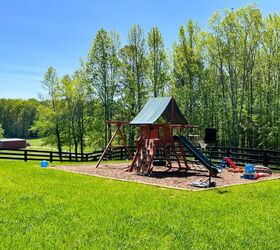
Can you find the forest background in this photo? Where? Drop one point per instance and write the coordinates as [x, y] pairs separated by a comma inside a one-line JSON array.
[[227, 77]]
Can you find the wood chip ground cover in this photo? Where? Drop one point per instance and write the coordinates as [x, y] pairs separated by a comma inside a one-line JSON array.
[[161, 177]]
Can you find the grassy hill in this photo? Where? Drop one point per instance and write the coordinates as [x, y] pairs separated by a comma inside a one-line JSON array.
[[44, 208]]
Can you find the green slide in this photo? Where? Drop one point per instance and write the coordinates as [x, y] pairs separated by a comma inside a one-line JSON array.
[[198, 154]]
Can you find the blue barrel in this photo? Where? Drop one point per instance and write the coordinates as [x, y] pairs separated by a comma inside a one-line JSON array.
[[44, 164]]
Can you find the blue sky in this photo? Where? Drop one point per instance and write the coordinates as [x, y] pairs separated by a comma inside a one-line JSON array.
[[37, 34]]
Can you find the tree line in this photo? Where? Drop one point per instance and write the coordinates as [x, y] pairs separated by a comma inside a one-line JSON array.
[[225, 77], [17, 117]]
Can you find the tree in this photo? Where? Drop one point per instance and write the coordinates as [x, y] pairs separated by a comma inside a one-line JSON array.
[[1, 131], [187, 69], [103, 72], [134, 68], [83, 106], [267, 102], [51, 114], [236, 40], [226, 77], [133, 74], [157, 62], [17, 116]]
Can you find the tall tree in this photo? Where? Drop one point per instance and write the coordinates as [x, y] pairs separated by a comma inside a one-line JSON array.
[[51, 113], [103, 72], [84, 105], [157, 62], [236, 38], [267, 102], [134, 74], [215, 57], [187, 69]]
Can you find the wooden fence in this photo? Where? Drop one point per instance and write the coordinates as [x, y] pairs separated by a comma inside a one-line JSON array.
[[239, 155], [118, 153]]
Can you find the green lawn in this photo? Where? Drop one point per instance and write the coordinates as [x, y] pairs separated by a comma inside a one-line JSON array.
[[39, 144], [44, 208]]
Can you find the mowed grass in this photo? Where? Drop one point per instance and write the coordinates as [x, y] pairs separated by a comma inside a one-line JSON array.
[[40, 144], [51, 209]]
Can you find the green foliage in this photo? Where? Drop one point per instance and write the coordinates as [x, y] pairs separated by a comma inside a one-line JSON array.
[[78, 95], [17, 116], [187, 70], [134, 70], [51, 123], [157, 63], [134, 85], [103, 68], [234, 46], [44, 208], [226, 77], [1, 131], [67, 111]]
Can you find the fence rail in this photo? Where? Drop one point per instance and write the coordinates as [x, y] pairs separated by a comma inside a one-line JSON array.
[[239, 155]]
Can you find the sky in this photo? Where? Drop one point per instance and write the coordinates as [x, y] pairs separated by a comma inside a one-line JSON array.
[[35, 35]]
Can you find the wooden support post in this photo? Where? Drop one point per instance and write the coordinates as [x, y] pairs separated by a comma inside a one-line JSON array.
[[107, 147], [124, 142], [136, 156], [167, 156], [151, 155], [118, 131], [183, 155], [177, 158]]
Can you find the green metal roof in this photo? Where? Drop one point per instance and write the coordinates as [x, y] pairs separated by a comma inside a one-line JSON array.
[[164, 107]]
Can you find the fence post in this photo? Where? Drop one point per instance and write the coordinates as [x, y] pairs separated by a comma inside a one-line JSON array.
[[228, 152], [122, 153], [265, 159], [25, 155], [51, 156], [70, 156]]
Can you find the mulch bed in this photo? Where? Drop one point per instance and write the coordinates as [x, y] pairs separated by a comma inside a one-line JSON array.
[[160, 177]]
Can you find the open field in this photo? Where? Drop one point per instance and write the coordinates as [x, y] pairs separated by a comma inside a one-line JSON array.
[[39, 144], [46, 208]]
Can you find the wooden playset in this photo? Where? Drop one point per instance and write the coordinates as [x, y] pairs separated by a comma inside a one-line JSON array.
[[158, 136]]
